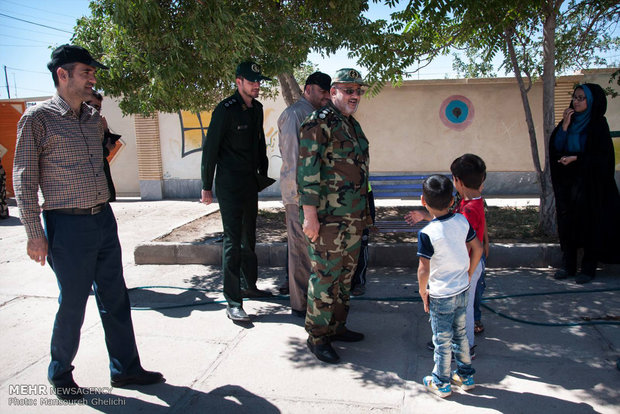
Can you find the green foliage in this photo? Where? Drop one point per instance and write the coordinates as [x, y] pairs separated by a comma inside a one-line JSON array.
[[302, 72], [166, 55], [516, 32], [426, 29], [474, 67], [615, 77]]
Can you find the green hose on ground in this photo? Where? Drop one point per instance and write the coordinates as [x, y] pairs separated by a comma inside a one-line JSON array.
[[610, 321]]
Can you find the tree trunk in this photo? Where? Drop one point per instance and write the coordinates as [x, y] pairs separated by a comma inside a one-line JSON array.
[[546, 208], [547, 200], [289, 88], [526, 103]]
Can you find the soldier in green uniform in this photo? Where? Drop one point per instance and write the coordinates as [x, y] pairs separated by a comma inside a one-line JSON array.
[[332, 178], [236, 145]]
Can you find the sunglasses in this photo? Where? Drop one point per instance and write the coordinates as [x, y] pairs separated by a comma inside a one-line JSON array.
[[351, 91]]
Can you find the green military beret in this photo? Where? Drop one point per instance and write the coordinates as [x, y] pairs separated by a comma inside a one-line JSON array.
[[348, 75]]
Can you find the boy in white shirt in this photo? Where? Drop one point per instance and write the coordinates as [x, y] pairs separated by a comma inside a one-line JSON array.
[[444, 274]]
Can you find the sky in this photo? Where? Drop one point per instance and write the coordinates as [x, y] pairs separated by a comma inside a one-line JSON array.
[[31, 29]]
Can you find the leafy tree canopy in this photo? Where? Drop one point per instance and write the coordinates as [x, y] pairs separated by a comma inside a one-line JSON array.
[[477, 29], [167, 55], [531, 38]]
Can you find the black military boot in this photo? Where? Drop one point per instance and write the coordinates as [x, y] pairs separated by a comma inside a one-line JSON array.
[[569, 265], [588, 269]]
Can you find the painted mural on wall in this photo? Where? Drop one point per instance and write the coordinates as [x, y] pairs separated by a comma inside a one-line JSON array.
[[270, 124], [456, 112], [193, 131]]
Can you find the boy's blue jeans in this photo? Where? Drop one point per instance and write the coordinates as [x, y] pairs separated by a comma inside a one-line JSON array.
[[480, 287], [448, 324]]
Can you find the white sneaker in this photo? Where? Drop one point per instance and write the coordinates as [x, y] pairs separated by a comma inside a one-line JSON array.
[[465, 383], [442, 392]]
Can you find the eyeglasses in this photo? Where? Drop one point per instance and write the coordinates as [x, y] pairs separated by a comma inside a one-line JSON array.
[[351, 91], [579, 98]]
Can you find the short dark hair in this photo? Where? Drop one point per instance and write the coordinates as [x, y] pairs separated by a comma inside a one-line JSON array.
[[470, 169], [437, 190], [67, 66]]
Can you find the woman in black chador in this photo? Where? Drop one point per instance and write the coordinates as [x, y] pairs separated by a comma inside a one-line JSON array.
[[587, 201]]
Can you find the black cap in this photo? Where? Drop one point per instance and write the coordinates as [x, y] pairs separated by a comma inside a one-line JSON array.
[[319, 78], [69, 54], [250, 71]]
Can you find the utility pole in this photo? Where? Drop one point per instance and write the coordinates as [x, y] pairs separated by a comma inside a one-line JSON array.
[[6, 78]]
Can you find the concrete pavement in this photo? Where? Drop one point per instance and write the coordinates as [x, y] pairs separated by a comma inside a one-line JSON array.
[[214, 366]]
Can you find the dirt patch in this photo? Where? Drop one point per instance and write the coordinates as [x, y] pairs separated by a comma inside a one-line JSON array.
[[506, 225], [270, 228]]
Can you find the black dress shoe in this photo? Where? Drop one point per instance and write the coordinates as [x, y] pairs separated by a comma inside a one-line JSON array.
[[583, 278], [236, 313], [358, 290], [68, 392], [142, 377], [563, 274], [255, 293], [299, 314], [323, 352], [347, 336]]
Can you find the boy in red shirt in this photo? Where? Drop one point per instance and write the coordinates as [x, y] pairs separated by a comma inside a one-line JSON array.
[[468, 175]]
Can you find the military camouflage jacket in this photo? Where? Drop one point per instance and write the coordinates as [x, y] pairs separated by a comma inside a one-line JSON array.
[[332, 172]]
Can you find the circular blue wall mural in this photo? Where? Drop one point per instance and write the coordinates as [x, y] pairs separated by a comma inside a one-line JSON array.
[[456, 112]]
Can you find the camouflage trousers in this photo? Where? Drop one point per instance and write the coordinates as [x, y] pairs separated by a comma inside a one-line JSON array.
[[334, 258]]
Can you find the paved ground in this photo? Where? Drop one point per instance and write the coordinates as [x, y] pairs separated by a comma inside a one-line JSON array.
[[215, 366]]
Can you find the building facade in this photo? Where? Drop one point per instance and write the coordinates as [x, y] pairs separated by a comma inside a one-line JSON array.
[[419, 127]]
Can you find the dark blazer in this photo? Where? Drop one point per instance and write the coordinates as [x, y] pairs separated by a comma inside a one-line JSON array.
[[235, 144]]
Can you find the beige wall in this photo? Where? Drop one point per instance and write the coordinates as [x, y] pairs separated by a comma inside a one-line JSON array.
[[403, 125], [181, 165], [124, 165], [601, 76], [406, 133]]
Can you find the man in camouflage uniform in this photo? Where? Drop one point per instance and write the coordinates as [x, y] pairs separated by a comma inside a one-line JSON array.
[[332, 177], [236, 145]]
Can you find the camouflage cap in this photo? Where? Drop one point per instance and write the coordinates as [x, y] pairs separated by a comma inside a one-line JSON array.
[[251, 71], [348, 75]]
